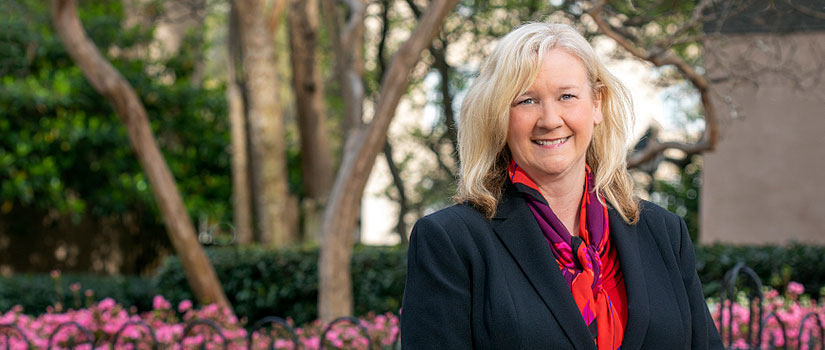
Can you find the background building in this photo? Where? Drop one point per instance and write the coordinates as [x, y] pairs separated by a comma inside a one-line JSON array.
[[764, 182]]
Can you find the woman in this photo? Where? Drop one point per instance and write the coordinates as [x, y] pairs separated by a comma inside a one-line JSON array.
[[548, 248]]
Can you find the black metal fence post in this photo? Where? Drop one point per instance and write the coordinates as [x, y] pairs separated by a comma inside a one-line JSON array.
[[728, 292]]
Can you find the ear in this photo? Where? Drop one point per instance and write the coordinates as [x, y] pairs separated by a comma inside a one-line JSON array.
[[597, 106]]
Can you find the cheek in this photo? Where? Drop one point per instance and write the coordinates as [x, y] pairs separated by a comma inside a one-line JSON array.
[[517, 127]]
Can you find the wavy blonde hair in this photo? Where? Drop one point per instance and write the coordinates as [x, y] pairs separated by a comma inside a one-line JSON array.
[[485, 112]]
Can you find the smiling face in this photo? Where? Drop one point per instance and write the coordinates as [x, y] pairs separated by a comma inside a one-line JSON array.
[[551, 124]]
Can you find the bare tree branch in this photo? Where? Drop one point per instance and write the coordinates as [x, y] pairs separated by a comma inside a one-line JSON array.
[[665, 58], [444, 69], [397, 180], [400, 224], [806, 10], [695, 18]]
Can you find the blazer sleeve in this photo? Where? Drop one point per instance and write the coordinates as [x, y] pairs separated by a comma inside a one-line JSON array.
[[704, 334], [435, 312]]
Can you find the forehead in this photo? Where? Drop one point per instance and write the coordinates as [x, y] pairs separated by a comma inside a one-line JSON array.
[[560, 67]]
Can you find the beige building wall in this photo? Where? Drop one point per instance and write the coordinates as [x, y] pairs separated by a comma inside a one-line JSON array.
[[765, 183]]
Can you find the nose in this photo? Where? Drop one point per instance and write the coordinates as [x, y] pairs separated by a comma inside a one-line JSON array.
[[550, 118]]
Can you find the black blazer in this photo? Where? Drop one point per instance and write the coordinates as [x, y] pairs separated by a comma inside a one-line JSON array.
[[494, 284]]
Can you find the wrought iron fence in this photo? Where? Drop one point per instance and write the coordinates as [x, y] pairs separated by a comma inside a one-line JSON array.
[[754, 337], [211, 332]]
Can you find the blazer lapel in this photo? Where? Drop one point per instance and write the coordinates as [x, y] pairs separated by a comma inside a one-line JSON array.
[[517, 229], [625, 238]]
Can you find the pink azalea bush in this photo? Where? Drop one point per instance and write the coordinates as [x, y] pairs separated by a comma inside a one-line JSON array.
[[105, 318], [790, 308]]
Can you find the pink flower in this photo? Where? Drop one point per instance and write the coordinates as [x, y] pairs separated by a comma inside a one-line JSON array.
[[159, 303], [795, 288], [184, 305], [106, 304]]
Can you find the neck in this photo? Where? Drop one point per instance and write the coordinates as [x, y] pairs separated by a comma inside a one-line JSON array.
[[564, 195]]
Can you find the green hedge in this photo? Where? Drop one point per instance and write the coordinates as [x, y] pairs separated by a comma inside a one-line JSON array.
[[259, 282], [775, 265], [38, 291]]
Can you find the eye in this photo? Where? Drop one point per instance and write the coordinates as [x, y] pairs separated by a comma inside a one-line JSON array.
[[526, 101], [565, 97]]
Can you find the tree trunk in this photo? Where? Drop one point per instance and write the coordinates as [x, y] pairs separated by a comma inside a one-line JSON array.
[[241, 188], [268, 149], [341, 214], [316, 154], [349, 65], [109, 83]]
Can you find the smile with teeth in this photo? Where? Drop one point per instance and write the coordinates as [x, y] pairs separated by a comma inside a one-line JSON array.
[[553, 142]]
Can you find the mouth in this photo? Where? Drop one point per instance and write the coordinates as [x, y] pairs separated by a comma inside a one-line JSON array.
[[551, 142]]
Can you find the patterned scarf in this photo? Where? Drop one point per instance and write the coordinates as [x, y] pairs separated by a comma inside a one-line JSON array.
[[588, 264]]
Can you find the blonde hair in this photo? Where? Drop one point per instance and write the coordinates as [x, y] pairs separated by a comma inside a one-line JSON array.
[[507, 73]]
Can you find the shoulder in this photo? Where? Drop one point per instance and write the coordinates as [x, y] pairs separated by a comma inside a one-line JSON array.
[[665, 227], [459, 225], [654, 216], [460, 217]]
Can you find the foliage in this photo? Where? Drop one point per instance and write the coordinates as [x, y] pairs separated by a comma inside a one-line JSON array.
[[106, 318], [62, 147], [35, 293], [682, 195], [429, 177], [260, 282], [777, 265], [790, 308]]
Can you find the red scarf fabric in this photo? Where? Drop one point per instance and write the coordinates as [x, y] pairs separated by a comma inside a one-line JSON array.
[[587, 261]]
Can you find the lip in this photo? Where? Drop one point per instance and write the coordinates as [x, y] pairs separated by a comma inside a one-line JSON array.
[[551, 143]]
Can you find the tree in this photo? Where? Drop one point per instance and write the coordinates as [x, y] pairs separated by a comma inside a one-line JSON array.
[[361, 148], [109, 83], [266, 131], [241, 186], [316, 151]]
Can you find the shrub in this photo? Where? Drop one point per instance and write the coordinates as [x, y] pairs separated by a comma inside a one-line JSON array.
[[777, 265], [260, 282], [791, 308], [106, 319], [37, 292]]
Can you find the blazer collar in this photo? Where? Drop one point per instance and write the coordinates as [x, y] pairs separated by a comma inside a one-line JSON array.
[[625, 239], [516, 227]]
